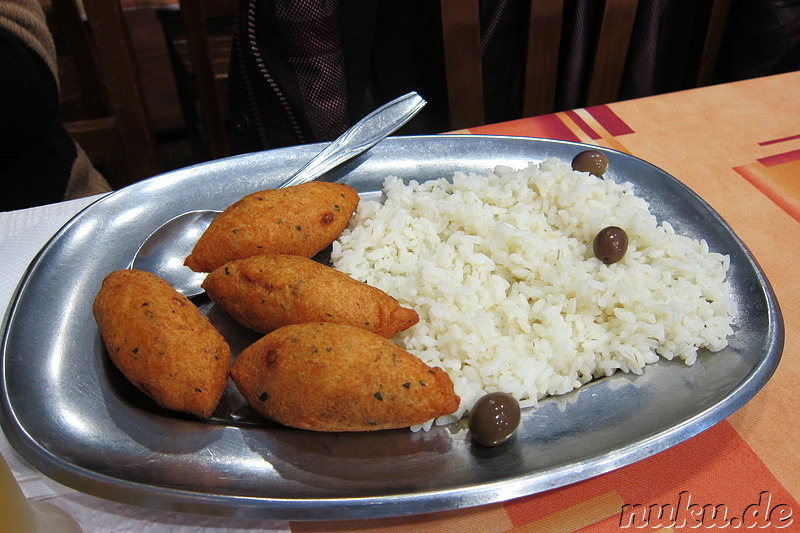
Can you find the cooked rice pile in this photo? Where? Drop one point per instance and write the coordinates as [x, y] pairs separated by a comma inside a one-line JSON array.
[[500, 269]]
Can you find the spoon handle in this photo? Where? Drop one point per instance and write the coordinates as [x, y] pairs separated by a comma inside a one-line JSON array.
[[360, 137]]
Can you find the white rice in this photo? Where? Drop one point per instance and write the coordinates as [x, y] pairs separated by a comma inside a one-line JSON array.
[[510, 296]]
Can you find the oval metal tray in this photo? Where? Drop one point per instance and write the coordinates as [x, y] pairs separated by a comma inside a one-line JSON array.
[[69, 412]]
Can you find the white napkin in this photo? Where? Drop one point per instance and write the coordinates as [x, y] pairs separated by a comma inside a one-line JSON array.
[[22, 234]]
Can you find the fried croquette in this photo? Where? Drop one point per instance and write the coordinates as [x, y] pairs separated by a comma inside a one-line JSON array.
[[298, 220], [266, 292], [161, 342], [333, 377]]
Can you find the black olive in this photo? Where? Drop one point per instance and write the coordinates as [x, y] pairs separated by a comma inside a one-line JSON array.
[[610, 244], [494, 418], [591, 161]]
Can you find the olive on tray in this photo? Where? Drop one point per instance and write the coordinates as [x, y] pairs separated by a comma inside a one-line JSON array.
[[592, 161], [494, 418]]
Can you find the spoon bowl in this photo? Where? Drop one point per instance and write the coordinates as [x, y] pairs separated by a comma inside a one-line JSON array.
[[164, 251]]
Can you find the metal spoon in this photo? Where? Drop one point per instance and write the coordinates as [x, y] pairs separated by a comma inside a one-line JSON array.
[[164, 251]]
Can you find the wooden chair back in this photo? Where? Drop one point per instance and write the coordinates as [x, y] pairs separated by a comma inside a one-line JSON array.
[[199, 37], [461, 37], [103, 105]]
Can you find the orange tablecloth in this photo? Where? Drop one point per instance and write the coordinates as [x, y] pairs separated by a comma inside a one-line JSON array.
[[738, 147]]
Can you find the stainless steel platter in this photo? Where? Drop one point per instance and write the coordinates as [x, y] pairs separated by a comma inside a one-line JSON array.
[[69, 412]]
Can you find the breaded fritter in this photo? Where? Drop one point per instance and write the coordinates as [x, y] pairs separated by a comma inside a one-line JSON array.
[[266, 292], [161, 342], [333, 377], [298, 220]]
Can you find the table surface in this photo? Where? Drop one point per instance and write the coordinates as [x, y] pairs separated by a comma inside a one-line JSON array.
[[737, 146]]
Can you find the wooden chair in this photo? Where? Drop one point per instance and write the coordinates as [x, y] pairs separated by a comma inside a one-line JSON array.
[[102, 103], [199, 37], [461, 36]]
